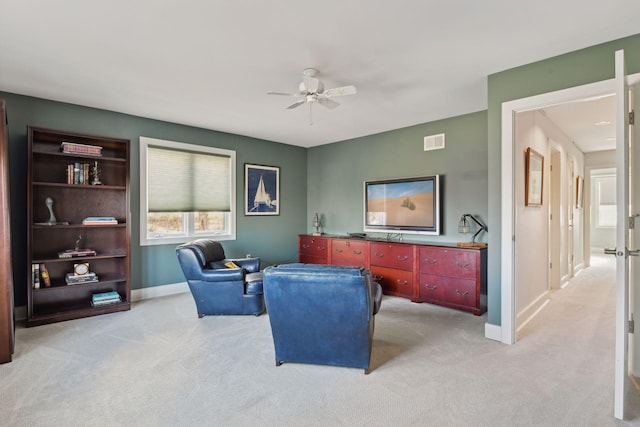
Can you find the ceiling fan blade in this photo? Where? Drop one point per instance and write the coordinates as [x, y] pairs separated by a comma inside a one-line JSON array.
[[340, 91], [283, 94], [296, 104], [329, 103]]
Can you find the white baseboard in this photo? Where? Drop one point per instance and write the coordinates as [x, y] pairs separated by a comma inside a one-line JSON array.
[[493, 332], [530, 311], [158, 291], [20, 312]]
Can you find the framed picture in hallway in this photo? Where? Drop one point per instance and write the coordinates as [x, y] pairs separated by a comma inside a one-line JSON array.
[[579, 192], [534, 178], [261, 190]]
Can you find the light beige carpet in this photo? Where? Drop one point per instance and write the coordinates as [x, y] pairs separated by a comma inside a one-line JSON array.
[[159, 365]]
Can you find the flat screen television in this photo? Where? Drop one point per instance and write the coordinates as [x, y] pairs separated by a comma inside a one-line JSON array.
[[406, 205]]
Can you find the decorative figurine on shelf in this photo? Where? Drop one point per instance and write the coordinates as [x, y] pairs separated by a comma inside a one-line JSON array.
[[95, 171], [77, 245], [52, 218]]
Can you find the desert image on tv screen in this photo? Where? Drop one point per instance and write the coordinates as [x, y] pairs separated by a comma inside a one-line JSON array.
[[408, 204]]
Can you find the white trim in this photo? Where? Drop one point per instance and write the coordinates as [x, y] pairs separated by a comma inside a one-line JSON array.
[[509, 109], [530, 311], [144, 144], [20, 312], [492, 332], [158, 291]]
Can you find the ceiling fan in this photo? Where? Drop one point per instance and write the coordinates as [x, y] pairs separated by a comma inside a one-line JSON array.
[[312, 91]]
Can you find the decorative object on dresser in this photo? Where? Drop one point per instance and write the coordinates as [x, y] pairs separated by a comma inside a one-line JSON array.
[[106, 246], [317, 223], [465, 227], [437, 273]]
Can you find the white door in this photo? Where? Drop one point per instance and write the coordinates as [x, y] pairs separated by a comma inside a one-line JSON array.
[[622, 380]]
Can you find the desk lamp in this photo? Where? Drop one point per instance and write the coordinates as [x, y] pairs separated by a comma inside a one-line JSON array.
[[464, 227]]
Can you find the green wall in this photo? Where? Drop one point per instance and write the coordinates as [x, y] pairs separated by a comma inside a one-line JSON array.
[[272, 238], [577, 68], [337, 173]]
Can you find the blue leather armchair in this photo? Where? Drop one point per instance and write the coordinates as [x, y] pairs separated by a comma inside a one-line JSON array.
[[216, 288], [322, 314]]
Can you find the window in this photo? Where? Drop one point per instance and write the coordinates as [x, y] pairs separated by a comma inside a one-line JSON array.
[[186, 191], [605, 188]]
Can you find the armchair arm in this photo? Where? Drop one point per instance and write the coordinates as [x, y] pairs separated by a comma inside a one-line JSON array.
[[250, 265], [222, 274]]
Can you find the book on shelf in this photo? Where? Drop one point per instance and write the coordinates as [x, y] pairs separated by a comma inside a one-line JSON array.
[[99, 220], [78, 173], [44, 275], [78, 279], [105, 298], [35, 276], [74, 253], [75, 148]]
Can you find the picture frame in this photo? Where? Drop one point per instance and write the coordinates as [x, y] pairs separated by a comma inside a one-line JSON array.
[[534, 178], [579, 192], [261, 190]]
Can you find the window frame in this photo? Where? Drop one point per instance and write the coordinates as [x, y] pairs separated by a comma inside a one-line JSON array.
[[145, 240], [598, 182]]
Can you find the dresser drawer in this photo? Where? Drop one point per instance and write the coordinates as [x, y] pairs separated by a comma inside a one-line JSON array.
[[392, 255], [431, 288], [393, 281], [448, 262], [461, 292], [349, 252], [313, 248]]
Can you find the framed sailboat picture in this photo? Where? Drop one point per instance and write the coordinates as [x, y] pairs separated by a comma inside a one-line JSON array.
[[261, 190]]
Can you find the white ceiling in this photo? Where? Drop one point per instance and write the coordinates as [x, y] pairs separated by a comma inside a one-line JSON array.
[[591, 124], [209, 63]]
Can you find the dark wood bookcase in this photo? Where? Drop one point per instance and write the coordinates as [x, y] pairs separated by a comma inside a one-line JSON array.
[[7, 325], [47, 178]]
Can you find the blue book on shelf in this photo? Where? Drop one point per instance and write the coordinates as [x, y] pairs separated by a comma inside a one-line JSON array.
[[99, 218], [105, 296]]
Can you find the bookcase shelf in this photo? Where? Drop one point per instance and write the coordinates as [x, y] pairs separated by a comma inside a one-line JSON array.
[[48, 179]]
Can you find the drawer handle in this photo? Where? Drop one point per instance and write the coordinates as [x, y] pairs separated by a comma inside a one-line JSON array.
[[465, 293], [401, 282], [339, 250], [321, 248], [461, 265], [431, 288], [378, 278], [305, 246], [357, 252], [402, 258], [379, 255], [430, 261]]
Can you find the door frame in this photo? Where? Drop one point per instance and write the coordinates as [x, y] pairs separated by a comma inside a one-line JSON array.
[[509, 111]]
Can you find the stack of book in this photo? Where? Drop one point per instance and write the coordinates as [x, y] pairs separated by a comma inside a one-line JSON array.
[[75, 148], [73, 253], [105, 298], [99, 220], [78, 279]]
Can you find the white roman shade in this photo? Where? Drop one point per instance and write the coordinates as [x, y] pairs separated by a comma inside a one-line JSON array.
[[185, 181]]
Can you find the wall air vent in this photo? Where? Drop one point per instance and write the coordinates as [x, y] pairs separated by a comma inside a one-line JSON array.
[[434, 142]]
